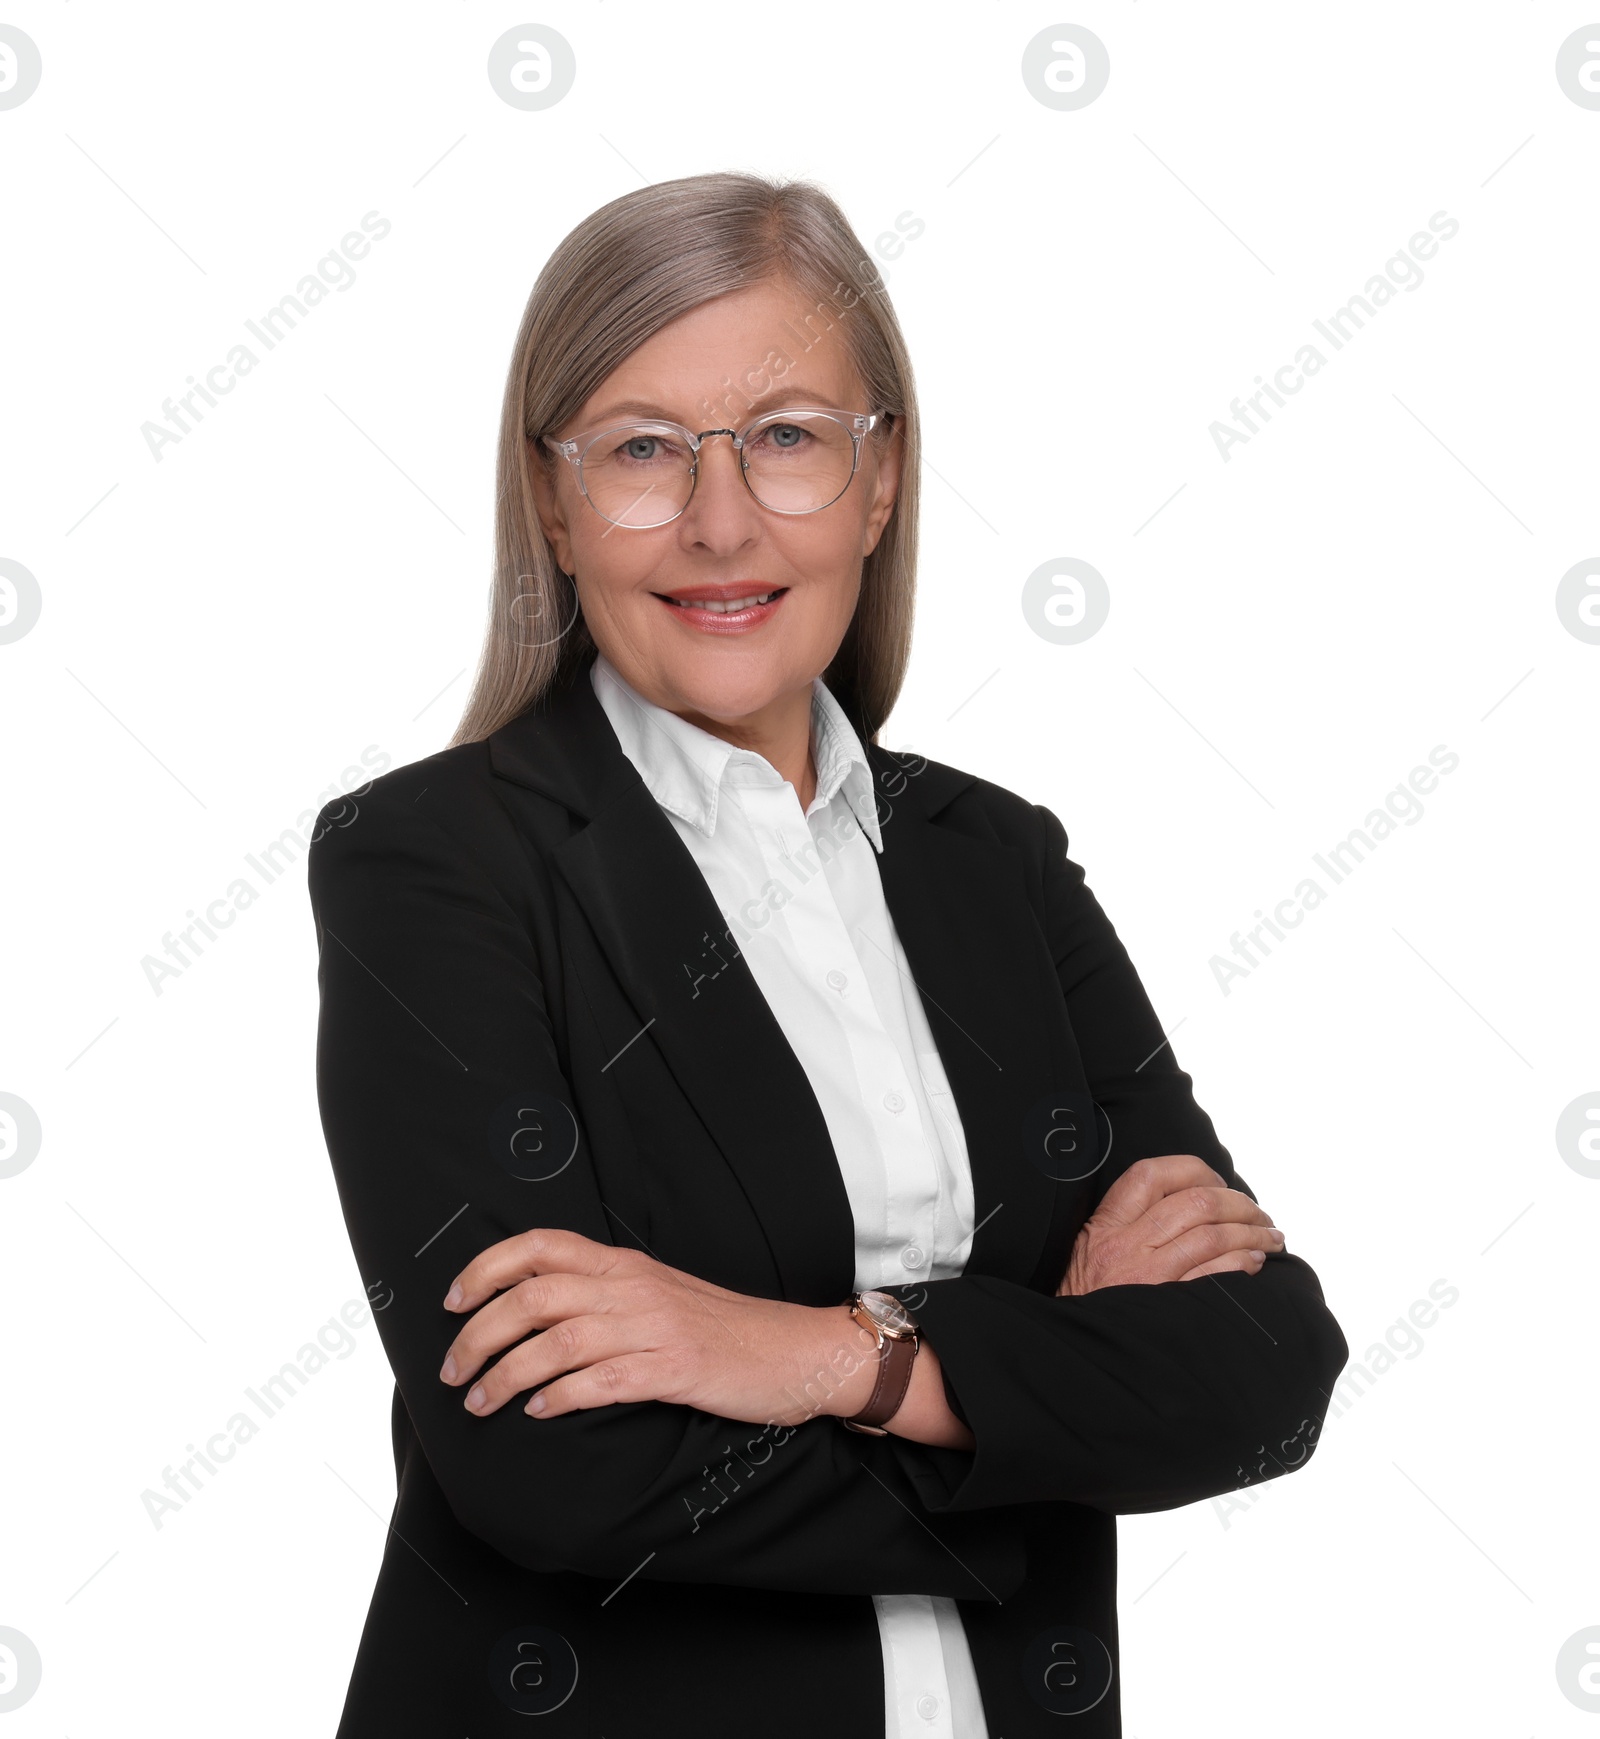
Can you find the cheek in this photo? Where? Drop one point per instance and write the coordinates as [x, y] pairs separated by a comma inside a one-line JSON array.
[[829, 578], [825, 546], [617, 564]]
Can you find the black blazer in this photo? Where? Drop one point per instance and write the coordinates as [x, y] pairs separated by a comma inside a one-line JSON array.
[[532, 1014]]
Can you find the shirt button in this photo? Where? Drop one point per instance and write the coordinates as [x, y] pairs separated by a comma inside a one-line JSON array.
[[837, 980], [911, 1257], [895, 1101], [927, 1707]]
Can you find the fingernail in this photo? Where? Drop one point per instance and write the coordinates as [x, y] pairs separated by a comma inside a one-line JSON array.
[[453, 1298], [1260, 1255], [476, 1398], [536, 1405], [1277, 1236], [447, 1372]]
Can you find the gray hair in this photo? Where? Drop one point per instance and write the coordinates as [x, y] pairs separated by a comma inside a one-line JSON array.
[[614, 281]]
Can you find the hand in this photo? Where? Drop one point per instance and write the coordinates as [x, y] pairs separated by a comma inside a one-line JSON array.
[[1170, 1218], [596, 1325]]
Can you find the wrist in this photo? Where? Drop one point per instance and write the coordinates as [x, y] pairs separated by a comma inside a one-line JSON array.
[[851, 1361], [891, 1329]]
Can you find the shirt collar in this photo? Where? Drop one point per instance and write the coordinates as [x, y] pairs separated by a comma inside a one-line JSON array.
[[684, 767]]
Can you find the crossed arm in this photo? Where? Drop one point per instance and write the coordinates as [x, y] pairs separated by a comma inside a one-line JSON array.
[[584, 1325], [1120, 1391]]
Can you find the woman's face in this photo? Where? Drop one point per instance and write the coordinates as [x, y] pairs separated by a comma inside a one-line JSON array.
[[725, 668]]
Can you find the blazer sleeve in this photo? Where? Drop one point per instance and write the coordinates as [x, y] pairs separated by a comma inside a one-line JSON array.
[[1138, 1397], [432, 1018]]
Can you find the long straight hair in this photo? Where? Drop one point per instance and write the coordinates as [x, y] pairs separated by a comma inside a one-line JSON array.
[[621, 275]]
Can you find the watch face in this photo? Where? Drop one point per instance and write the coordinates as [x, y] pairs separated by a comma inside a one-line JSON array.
[[888, 1312]]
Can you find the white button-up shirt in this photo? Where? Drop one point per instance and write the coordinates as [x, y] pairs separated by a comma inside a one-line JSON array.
[[825, 955]]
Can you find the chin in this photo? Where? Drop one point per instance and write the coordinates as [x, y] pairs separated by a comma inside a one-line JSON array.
[[730, 683]]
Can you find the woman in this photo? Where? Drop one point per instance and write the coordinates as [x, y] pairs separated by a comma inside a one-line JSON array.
[[799, 1243]]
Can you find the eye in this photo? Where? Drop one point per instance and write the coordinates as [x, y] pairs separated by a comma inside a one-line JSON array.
[[638, 447], [785, 437]]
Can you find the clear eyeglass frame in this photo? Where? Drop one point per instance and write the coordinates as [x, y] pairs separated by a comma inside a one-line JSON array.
[[857, 424]]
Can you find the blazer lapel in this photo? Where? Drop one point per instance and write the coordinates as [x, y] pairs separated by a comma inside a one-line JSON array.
[[960, 905], [695, 999]]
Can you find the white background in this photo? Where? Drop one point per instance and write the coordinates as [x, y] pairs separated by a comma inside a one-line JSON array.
[[1291, 631]]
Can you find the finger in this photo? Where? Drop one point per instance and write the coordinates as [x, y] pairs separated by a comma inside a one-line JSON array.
[[540, 1251], [1146, 1181], [567, 1346], [527, 1308], [1204, 1244], [1236, 1261], [633, 1377], [1201, 1205]]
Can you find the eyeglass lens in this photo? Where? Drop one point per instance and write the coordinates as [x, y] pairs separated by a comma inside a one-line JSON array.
[[642, 474]]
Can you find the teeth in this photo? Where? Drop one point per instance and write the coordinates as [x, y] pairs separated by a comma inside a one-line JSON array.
[[722, 609]]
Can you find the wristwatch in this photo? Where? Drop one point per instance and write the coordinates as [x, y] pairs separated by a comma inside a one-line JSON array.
[[895, 1329]]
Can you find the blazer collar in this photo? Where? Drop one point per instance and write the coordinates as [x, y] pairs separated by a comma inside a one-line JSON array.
[[566, 749], [959, 901]]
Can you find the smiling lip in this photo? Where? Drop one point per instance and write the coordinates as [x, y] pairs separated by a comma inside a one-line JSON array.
[[707, 608]]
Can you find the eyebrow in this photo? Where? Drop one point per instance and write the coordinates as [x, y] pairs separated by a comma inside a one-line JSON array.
[[786, 396]]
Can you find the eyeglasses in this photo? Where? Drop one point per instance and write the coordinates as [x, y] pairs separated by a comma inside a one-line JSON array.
[[642, 474]]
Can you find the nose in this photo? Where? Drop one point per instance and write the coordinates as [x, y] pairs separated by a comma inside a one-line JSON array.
[[722, 516]]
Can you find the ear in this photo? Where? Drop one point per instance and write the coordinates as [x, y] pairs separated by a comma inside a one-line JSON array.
[[544, 469], [886, 488]]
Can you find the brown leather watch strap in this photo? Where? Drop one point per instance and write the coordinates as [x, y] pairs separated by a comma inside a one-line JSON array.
[[895, 1359]]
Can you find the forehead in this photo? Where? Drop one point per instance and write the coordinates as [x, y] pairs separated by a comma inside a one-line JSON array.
[[749, 350]]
